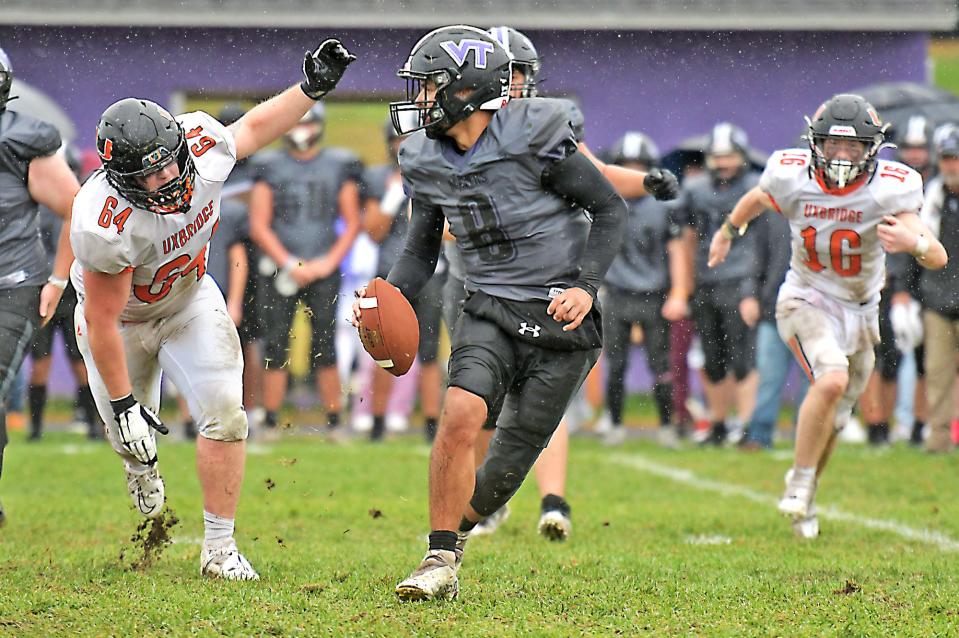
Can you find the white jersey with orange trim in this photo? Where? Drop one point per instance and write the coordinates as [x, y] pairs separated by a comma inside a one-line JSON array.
[[167, 253], [835, 247]]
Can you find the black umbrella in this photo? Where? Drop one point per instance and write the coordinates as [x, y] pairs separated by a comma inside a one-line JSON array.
[[691, 151], [896, 102]]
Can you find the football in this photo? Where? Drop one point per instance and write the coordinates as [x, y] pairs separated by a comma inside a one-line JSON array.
[[388, 327]]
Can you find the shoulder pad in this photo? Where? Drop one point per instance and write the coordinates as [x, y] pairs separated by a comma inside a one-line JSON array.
[[215, 163], [786, 171], [540, 126], [896, 187], [23, 139]]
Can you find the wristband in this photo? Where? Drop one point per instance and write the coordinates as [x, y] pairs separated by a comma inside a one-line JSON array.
[[56, 281], [729, 231], [122, 405], [922, 247]]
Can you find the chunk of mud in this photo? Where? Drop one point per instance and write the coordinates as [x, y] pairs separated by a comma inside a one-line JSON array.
[[375, 513], [148, 542], [269, 484], [851, 587]]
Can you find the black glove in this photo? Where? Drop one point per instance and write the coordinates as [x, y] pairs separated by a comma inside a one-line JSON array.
[[133, 422], [661, 184], [324, 67]]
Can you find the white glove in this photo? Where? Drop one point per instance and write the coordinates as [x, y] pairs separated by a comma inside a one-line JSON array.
[[906, 319], [134, 423]]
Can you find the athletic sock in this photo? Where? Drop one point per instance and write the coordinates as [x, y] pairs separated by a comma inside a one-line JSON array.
[[269, 419], [37, 398], [430, 428], [466, 525], [555, 503], [915, 437], [332, 420], [379, 427], [804, 475], [216, 528], [443, 539]]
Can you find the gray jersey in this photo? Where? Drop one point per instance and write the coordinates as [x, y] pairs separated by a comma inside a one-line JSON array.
[[574, 114], [703, 204], [517, 239], [23, 260], [642, 264], [50, 226], [306, 197], [376, 180], [234, 227]]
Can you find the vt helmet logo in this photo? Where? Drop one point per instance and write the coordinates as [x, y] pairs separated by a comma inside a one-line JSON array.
[[460, 50]]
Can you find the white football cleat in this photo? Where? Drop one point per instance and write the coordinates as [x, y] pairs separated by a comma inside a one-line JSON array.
[[461, 538], [615, 437], [797, 501], [435, 578], [491, 523], [808, 526], [222, 559], [554, 525], [146, 491]]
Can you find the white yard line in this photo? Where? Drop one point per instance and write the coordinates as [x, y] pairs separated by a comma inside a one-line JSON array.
[[689, 478]]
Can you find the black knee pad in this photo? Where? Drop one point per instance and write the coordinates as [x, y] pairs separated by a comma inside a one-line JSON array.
[[508, 462]]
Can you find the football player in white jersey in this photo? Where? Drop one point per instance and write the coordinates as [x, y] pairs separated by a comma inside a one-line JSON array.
[[140, 231], [845, 207]]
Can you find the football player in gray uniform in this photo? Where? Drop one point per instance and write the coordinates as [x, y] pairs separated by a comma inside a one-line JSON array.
[[31, 174], [301, 196], [514, 188]]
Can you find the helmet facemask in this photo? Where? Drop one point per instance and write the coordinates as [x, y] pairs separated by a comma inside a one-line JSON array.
[[173, 197], [530, 72], [840, 173]]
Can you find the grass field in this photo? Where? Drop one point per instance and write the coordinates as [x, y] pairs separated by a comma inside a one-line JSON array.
[[665, 543]]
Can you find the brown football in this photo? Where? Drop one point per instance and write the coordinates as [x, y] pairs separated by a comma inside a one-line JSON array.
[[388, 327]]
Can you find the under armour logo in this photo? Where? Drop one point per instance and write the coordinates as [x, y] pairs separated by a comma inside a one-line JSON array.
[[526, 328], [459, 50]]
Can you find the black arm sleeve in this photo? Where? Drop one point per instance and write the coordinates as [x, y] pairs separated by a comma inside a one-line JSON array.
[[576, 179], [415, 265]]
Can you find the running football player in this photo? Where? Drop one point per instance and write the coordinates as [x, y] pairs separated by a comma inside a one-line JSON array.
[[140, 231], [845, 207], [513, 187]]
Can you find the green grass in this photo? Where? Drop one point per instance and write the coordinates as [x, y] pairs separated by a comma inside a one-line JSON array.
[[328, 565]]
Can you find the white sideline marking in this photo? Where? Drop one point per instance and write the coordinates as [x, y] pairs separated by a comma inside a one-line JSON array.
[[708, 539], [71, 449], [686, 477]]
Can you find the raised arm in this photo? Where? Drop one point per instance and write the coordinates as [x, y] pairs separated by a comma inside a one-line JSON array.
[[267, 121]]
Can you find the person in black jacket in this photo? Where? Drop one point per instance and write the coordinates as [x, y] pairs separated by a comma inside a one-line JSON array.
[[939, 296]]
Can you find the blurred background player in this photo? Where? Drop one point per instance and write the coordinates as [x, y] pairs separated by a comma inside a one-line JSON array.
[[386, 222], [32, 173], [304, 216], [41, 350], [939, 295], [846, 209], [644, 286], [724, 305], [900, 322]]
